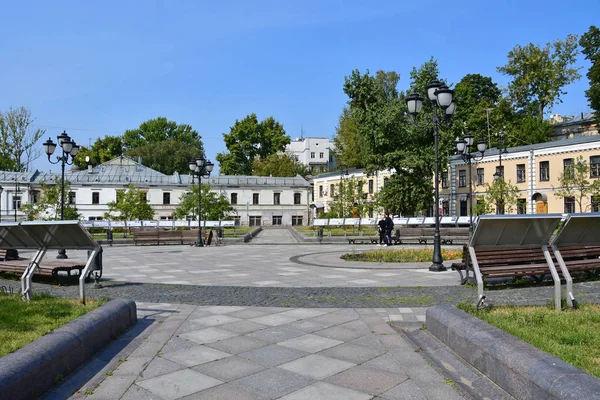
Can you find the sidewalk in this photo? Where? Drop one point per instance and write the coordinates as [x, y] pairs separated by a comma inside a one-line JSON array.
[[218, 352]]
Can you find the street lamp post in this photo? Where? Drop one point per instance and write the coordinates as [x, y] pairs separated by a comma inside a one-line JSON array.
[[443, 102], [202, 169], [16, 200], [69, 148], [1, 190], [464, 149], [341, 194], [499, 174]]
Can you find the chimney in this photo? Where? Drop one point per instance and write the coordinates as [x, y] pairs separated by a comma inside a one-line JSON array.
[[90, 168], [139, 159]]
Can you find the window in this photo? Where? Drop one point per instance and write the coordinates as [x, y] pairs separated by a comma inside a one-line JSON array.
[[276, 199], [521, 206], [233, 198], [569, 205], [331, 190], [276, 220], [463, 208], [520, 173], [331, 158], [312, 154], [500, 170], [297, 198], [480, 176], [595, 203], [444, 179], [321, 155], [296, 220], [16, 202], [445, 207], [594, 166], [544, 171], [72, 198], [35, 196], [254, 198], [144, 196], [320, 190], [95, 197], [166, 198], [237, 221], [370, 185], [462, 178], [568, 167], [95, 218], [254, 220], [385, 180]]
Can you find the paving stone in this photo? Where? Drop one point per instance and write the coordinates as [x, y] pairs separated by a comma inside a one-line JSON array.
[[178, 384], [160, 366], [242, 327], [351, 352], [334, 319], [407, 390], [136, 392], [196, 356], [371, 341], [303, 313], [386, 362], [273, 355], [273, 383], [238, 344], [113, 387], [326, 391], [230, 368], [207, 335], [357, 326], [132, 366], [338, 333], [222, 309], [248, 313], [310, 343], [368, 380], [274, 319], [214, 320], [317, 366], [224, 392], [178, 343], [306, 325], [276, 334]]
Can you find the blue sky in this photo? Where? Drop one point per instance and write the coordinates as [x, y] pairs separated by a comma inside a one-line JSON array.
[[97, 68]]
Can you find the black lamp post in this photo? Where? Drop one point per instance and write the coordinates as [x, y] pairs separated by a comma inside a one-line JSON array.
[[1, 190], [69, 148], [341, 194], [16, 200], [464, 149], [201, 168], [499, 174], [444, 105]]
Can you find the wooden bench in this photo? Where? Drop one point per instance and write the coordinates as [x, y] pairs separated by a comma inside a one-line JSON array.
[[451, 235], [161, 236], [9, 254], [363, 239], [408, 234], [51, 268]]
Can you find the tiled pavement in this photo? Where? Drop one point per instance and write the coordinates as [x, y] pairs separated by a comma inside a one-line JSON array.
[[214, 352]]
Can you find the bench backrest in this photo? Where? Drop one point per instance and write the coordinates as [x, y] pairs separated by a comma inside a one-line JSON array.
[[454, 232], [409, 231]]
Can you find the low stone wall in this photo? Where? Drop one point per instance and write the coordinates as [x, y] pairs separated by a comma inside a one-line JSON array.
[[248, 236], [33, 369], [520, 369]]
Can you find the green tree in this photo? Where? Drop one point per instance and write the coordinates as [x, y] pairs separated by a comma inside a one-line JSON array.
[[131, 205], [406, 194], [590, 43], [103, 150], [248, 139], [350, 149], [574, 183], [48, 206], [500, 198], [214, 206], [350, 201], [279, 164], [539, 75], [164, 145], [19, 138]]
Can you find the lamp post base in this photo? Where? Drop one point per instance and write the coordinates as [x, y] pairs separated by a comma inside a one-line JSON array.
[[198, 244], [437, 267], [62, 254]]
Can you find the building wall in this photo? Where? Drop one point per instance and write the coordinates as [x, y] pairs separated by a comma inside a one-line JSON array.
[[308, 152]]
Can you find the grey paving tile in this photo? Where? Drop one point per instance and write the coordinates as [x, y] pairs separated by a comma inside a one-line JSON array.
[[407, 390], [273, 355], [207, 335], [136, 392], [242, 327], [371, 341], [351, 352], [196, 356], [338, 333], [386, 362], [218, 319], [276, 334], [224, 392], [113, 387], [273, 383], [238, 344], [132, 366], [334, 319], [248, 313], [160, 366], [303, 313], [222, 309], [310, 343], [178, 343], [230, 368], [326, 391], [178, 384], [368, 380], [317, 366], [274, 319], [307, 325], [357, 326]]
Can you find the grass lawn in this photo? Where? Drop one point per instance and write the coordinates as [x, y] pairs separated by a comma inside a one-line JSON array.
[[22, 322], [419, 255], [572, 336]]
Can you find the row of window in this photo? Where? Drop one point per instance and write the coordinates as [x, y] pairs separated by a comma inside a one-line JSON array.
[[276, 198], [312, 155], [569, 206], [359, 186], [544, 168], [256, 220]]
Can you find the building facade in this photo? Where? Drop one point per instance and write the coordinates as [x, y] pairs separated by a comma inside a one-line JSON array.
[[255, 200], [535, 170], [317, 153]]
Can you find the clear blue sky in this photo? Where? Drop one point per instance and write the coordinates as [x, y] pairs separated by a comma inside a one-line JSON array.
[[97, 68]]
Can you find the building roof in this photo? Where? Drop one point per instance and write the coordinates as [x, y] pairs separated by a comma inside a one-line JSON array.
[[580, 119]]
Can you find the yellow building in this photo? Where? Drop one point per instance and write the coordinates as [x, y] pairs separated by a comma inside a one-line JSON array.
[[535, 170]]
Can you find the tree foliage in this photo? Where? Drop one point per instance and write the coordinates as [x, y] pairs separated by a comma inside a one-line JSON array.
[[131, 205], [19, 138], [103, 150], [574, 183], [167, 156], [248, 139], [350, 149], [350, 201], [279, 164], [590, 44], [48, 206], [539, 75], [500, 198], [214, 206]]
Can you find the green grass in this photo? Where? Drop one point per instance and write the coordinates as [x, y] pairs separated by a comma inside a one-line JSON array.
[[572, 336], [22, 322], [416, 255]]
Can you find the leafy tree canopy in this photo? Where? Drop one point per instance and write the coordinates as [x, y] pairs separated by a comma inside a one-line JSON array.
[[103, 150], [279, 164], [350, 201], [590, 43], [131, 205], [48, 206], [248, 139], [19, 140], [350, 148], [167, 156], [159, 129], [500, 197], [214, 206]]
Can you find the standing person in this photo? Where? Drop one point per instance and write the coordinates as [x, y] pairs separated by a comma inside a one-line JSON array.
[[389, 226], [381, 229]]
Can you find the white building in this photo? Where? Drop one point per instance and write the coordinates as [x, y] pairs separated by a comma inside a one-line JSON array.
[[317, 153], [256, 200]]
